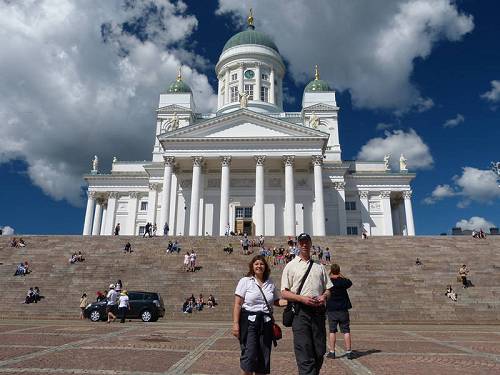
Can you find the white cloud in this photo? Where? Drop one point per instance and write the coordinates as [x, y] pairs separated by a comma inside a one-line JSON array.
[[366, 47], [440, 192], [7, 231], [453, 122], [396, 143], [475, 223], [74, 84], [473, 185], [494, 94], [383, 126]]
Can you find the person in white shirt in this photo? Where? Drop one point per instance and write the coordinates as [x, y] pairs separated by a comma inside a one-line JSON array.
[[186, 261], [252, 320], [111, 308], [123, 305]]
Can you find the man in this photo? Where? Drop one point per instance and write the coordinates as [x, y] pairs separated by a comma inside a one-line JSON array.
[[338, 310], [463, 272], [111, 308], [147, 230], [244, 243], [117, 229], [165, 229], [309, 332]]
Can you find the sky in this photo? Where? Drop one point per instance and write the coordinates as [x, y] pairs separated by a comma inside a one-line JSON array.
[[82, 77]]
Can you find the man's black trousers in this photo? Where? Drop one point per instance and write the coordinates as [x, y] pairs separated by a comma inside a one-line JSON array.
[[309, 340]]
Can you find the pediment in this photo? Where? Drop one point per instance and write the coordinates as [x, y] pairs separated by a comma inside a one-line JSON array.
[[172, 108], [244, 124], [320, 107]]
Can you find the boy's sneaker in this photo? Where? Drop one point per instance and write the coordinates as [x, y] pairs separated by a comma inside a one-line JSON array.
[[331, 355], [349, 355]]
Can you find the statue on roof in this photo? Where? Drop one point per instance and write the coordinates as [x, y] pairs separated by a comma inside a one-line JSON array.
[[387, 158], [314, 121], [243, 100], [95, 164], [173, 124], [402, 164]]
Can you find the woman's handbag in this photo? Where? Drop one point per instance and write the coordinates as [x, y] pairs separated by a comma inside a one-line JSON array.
[[291, 308], [277, 333]]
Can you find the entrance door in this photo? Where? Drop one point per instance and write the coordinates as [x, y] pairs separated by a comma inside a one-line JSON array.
[[243, 221]]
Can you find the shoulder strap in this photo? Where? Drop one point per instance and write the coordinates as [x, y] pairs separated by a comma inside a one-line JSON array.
[[305, 276], [265, 300]]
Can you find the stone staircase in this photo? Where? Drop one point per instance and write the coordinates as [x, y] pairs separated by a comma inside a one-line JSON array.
[[388, 286]]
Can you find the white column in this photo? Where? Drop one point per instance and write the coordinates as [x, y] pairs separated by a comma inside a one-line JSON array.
[[152, 204], [272, 88], [227, 97], [258, 77], [110, 217], [340, 187], [385, 197], [410, 224], [165, 196], [319, 212], [104, 216], [365, 211], [289, 196], [89, 213], [220, 99], [224, 194], [96, 226], [259, 195], [195, 196], [241, 89], [132, 214]]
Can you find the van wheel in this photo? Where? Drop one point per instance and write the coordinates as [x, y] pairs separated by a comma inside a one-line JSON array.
[[147, 316], [95, 316]]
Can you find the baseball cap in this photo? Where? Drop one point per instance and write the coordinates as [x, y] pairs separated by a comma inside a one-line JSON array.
[[304, 237], [111, 286]]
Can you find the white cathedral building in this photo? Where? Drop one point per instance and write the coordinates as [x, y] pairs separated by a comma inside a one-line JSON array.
[[250, 167]]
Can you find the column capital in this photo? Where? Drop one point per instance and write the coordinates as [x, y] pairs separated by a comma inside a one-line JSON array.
[[225, 161], [317, 160], [101, 200], [197, 161], [91, 194], [133, 194], [169, 160], [407, 194], [114, 195], [289, 160], [260, 159], [154, 186], [385, 194], [339, 185], [363, 194]]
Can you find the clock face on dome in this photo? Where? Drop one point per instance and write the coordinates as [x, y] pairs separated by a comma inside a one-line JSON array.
[[249, 74]]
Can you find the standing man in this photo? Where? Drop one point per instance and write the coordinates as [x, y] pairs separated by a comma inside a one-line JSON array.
[[338, 311], [117, 229], [309, 332], [165, 229], [112, 299]]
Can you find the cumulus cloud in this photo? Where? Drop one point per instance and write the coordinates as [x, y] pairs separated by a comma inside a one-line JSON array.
[[76, 81], [493, 95], [7, 231], [396, 143], [475, 223], [440, 192], [366, 47], [453, 122], [383, 126], [473, 185]]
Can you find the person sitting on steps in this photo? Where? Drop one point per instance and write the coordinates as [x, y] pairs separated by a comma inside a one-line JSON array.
[[451, 293]]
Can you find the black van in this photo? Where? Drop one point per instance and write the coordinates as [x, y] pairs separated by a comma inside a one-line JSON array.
[[147, 306]]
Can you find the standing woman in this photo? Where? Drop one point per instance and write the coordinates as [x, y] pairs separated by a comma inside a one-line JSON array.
[[84, 301], [252, 323]]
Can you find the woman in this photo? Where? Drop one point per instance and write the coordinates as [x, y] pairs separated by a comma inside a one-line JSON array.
[[451, 293], [186, 261], [84, 301], [123, 305], [252, 320], [211, 301]]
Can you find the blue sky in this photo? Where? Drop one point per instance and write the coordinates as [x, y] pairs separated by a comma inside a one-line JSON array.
[[80, 80]]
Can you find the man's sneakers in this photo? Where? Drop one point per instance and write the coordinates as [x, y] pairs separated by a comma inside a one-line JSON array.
[[330, 355], [349, 355]]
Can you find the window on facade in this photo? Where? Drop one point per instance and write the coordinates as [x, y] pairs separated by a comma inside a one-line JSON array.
[[234, 94], [352, 231], [243, 212], [144, 206], [234, 76], [142, 229], [264, 94], [350, 206], [249, 91], [265, 77]]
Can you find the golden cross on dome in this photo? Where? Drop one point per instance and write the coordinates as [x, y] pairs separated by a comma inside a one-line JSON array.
[[179, 74], [250, 18], [316, 72]]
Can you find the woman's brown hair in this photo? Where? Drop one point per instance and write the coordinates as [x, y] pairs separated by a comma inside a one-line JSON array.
[[267, 270]]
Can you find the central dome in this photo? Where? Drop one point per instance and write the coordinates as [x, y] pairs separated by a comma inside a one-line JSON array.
[[250, 36]]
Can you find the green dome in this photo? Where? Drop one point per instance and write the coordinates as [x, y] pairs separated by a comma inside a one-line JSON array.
[[317, 85], [178, 87], [250, 36]]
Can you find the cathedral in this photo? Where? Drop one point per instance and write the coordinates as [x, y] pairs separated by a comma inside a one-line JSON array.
[[250, 167]]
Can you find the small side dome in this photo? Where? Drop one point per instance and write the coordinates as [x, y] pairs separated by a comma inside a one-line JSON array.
[[317, 85], [179, 86]]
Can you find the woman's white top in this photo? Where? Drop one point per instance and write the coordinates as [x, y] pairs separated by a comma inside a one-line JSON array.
[[123, 301], [186, 259], [252, 297]]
